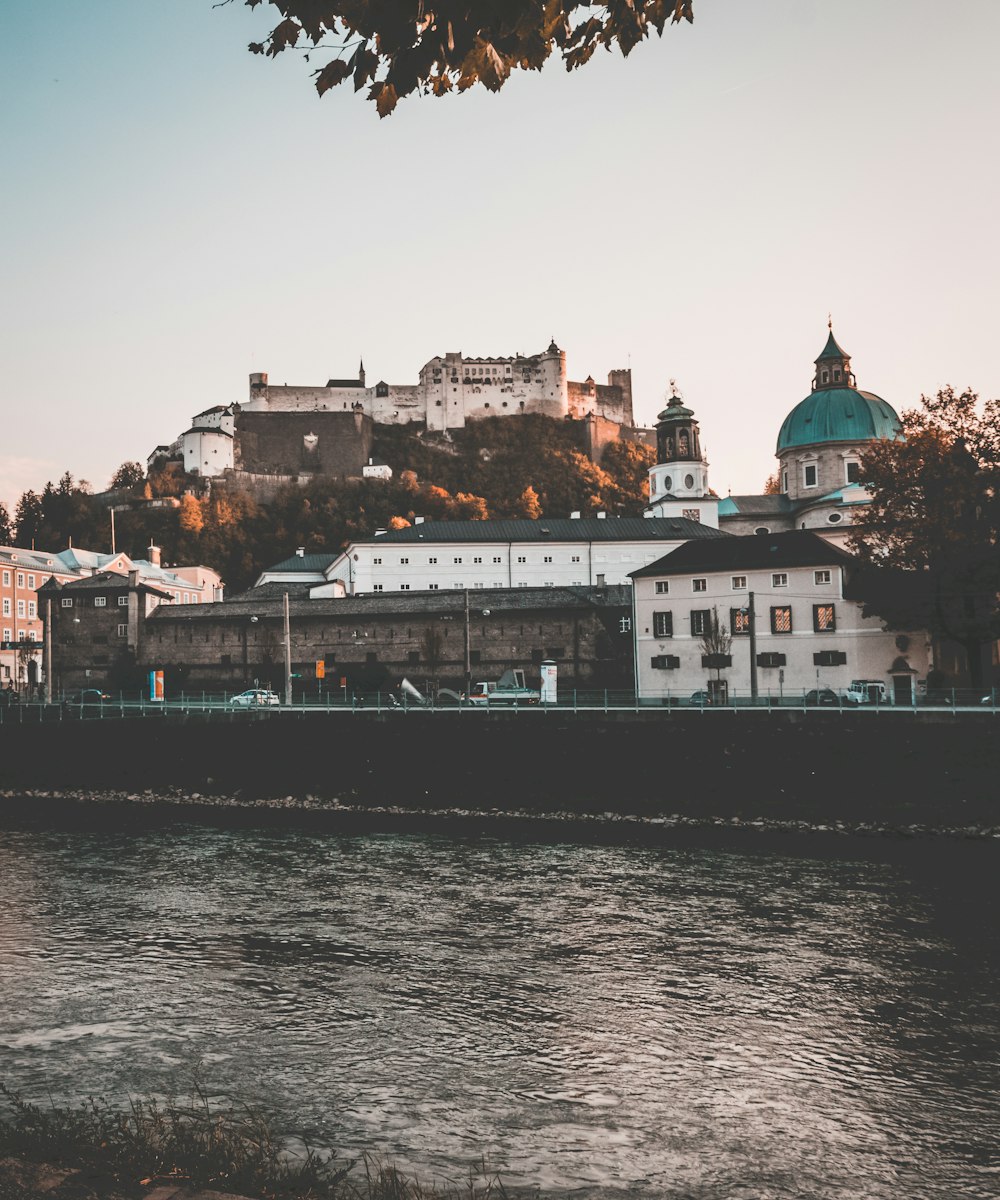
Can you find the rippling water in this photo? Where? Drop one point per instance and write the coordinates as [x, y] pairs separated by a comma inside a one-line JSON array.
[[813, 1020]]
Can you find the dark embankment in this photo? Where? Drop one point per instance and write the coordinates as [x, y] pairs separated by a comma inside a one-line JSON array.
[[818, 767]]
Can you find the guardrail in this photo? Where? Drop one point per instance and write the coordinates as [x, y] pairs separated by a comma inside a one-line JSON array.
[[603, 700]]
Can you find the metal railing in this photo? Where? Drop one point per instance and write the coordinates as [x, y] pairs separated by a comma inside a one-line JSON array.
[[226, 705]]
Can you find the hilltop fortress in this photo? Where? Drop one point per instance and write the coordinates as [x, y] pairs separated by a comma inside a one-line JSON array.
[[291, 430]]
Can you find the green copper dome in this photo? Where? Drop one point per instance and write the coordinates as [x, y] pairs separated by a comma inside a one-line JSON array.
[[838, 414]]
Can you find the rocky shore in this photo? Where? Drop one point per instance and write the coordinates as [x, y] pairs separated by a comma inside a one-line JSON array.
[[345, 814]]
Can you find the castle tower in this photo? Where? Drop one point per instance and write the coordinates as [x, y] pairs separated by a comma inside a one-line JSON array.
[[678, 482]]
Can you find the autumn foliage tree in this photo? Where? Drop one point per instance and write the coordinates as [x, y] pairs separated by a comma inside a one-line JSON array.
[[438, 46], [930, 536]]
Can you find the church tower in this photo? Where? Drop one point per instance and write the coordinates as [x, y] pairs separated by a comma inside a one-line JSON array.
[[678, 482]]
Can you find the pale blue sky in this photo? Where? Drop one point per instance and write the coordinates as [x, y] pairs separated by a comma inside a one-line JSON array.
[[178, 213]]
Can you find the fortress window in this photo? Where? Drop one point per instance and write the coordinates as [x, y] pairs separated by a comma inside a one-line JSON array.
[[496, 559], [433, 587], [404, 562], [404, 587], [456, 560]]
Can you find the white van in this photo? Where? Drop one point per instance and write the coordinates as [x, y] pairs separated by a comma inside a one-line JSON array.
[[866, 691]]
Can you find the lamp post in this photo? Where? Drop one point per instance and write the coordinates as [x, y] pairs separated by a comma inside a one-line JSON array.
[[288, 655], [468, 650], [753, 647]]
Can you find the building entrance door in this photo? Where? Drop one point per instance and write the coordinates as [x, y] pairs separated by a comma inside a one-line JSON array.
[[902, 690]]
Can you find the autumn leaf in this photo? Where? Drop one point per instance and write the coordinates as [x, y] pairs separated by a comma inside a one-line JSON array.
[[333, 73], [384, 95]]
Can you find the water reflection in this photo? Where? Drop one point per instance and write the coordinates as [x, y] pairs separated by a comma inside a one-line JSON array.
[[688, 1021]]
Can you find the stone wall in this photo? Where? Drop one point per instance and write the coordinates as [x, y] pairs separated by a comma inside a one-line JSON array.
[[333, 444]]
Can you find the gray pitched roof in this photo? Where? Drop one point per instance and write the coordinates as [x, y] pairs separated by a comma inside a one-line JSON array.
[[311, 563], [104, 581], [797, 548], [559, 529], [770, 505], [402, 604]]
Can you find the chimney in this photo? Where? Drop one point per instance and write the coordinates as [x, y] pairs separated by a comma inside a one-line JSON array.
[[133, 579], [153, 554], [300, 552]]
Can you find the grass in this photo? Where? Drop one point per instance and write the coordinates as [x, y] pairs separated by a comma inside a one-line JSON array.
[[232, 1148]]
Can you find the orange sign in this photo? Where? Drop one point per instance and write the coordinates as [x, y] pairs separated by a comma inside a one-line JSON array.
[[320, 668]]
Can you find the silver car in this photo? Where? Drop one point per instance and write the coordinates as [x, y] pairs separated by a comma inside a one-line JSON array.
[[255, 698]]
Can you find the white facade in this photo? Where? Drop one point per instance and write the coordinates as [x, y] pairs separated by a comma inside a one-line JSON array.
[[207, 447], [444, 555], [806, 631]]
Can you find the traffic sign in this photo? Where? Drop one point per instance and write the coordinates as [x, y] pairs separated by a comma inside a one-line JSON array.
[[320, 668]]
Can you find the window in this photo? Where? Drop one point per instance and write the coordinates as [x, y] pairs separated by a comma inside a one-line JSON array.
[[779, 579], [6, 607], [537, 656], [761, 529], [32, 610], [852, 471], [433, 587], [20, 608], [547, 558], [403, 562], [123, 630], [376, 587], [6, 578], [20, 579], [123, 600], [770, 659], [477, 560], [830, 658], [824, 618], [821, 577], [6, 636], [432, 559], [700, 621], [31, 582], [663, 624], [497, 558], [376, 562], [32, 636], [404, 587], [809, 475], [521, 558], [66, 602], [456, 560], [739, 621], [662, 587], [781, 619], [835, 518], [739, 583], [474, 657], [100, 601], [664, 662], [699, 585]]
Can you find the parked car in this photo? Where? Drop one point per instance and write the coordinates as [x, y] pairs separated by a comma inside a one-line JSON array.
[[255, 698], [822, 696], [700, 699], [88, 696], [866, 691]]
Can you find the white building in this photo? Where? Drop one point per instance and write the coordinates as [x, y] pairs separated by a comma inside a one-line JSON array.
[[789, 589], [440, 555]]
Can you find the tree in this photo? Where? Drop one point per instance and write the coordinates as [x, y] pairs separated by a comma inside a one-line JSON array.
[[928, 539], [6, 527], [128, 476], [772, 485], [436, 46], [716, 643]]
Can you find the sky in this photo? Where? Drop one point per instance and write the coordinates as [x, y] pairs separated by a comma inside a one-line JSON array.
[[178, 213]]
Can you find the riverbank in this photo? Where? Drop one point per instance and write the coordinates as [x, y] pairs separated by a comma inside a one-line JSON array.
[[121, 809], [821, 769]]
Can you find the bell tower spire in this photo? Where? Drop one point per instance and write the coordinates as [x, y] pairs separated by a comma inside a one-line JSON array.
[[833, 367], [678, 482]]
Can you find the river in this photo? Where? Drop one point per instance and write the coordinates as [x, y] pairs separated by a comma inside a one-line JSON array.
[[759, 1017]]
